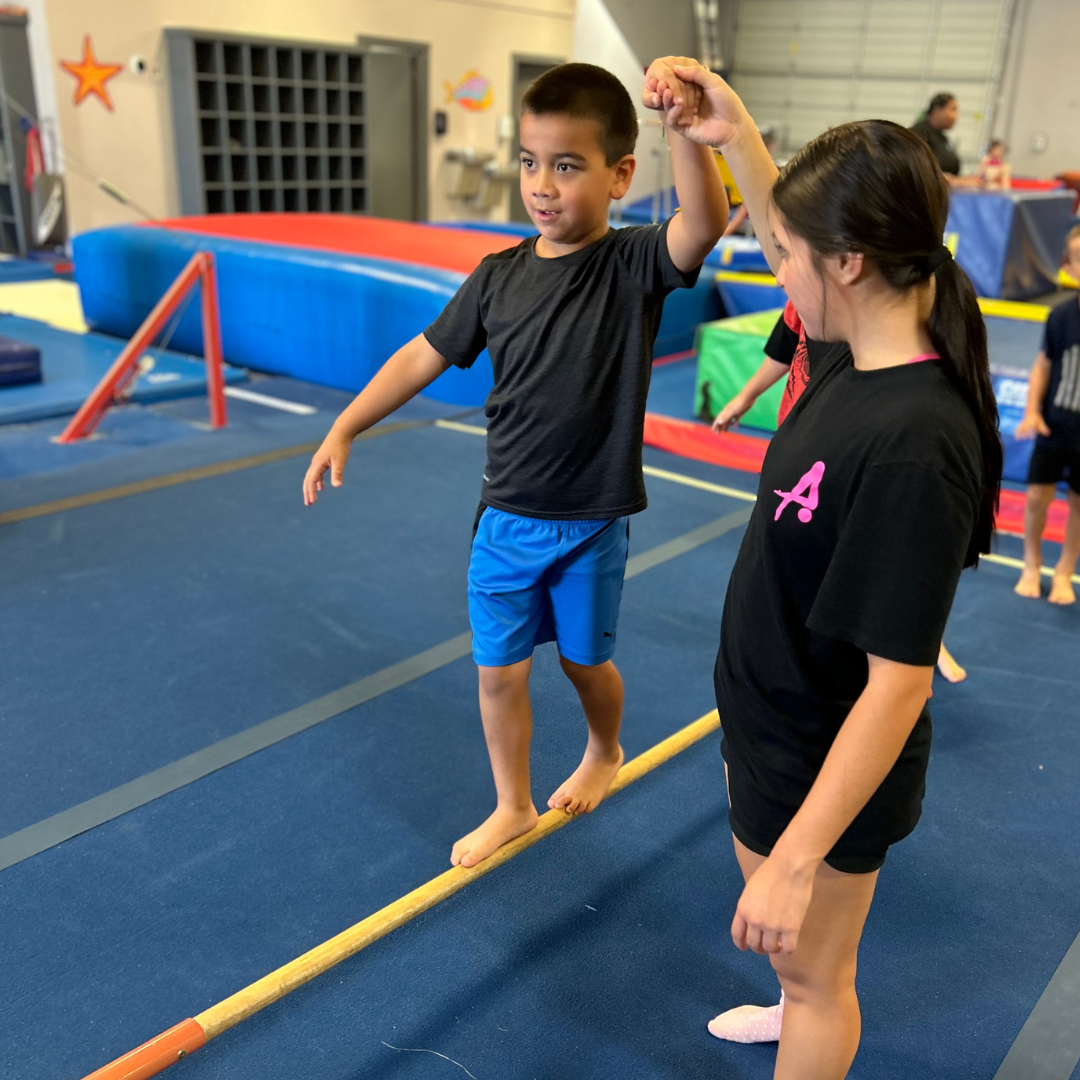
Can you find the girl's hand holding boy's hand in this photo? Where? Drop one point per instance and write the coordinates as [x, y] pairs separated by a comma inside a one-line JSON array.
[[698, 104], [332, 455], [731, 413], [665, 92], [1033, 424]]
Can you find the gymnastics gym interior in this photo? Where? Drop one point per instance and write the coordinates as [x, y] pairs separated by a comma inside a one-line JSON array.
[[239, 737]]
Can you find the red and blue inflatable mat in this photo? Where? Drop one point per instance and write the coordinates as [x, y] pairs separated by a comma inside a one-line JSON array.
[[320, 297]]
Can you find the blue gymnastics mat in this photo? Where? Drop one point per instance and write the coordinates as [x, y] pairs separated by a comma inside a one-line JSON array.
[[12, 270], [73, 364]]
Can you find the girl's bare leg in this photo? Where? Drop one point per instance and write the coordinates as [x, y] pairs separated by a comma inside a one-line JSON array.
[[821, 1021]]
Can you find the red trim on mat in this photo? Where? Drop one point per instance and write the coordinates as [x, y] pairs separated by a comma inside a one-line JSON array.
[[673, 358], [404, 241], [746, 453], [696, 441], [1010, 517]]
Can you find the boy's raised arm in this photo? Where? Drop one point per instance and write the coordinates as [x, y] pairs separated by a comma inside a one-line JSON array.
[[711, 113], [703, 203]]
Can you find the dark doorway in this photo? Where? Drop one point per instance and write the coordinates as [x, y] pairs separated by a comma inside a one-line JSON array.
[[397, 136], [527, 69]]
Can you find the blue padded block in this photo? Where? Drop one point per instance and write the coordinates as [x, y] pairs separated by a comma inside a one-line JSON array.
[[319, 316], [1010, 243], [744, 297], [684, 311], [1011, 394], [741, 253], [20, 363]]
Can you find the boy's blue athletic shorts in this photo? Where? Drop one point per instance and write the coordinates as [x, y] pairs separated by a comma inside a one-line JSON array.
[[532, 580]]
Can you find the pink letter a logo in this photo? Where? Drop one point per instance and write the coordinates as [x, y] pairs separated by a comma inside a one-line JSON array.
[[805, 493]]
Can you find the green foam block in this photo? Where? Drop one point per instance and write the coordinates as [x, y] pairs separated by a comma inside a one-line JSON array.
[[729, 352]]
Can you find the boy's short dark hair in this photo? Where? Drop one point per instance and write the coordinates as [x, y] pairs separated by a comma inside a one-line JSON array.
[[587, 92]]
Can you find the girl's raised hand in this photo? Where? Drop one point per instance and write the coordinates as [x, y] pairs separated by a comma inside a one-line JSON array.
[[332, 455], [665, 91], [714, 116]]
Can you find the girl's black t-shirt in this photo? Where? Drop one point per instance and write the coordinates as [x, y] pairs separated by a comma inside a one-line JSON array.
[[868, 499]]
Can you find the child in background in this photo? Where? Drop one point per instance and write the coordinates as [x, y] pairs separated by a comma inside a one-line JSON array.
[[993, 171], [569, 318], [1052, 416]]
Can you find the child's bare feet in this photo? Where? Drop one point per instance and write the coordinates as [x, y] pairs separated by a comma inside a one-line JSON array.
[[1028, 585], [585, 790], [1061, 591], [502, 827], [948, 666]]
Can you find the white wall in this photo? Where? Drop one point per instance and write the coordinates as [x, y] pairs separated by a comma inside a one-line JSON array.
[[1041, 94], [133, 146], [598, 40]]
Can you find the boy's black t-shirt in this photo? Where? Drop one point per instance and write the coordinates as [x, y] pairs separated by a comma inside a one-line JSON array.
[[571, 344], [868, 499], [1061, 407]]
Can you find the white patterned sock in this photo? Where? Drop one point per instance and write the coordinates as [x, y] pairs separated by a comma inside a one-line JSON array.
[[749, 1023]]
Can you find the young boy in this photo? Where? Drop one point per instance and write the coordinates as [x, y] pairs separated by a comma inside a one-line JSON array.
[[1053, 415], [569, 318]]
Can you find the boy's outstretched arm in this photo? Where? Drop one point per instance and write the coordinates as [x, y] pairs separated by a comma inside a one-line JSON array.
[[414, 366]]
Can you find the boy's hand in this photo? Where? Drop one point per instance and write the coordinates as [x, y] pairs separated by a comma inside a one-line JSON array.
[[730, 415], [714, 117], [667, 93], [1033, 424], [332, 455]]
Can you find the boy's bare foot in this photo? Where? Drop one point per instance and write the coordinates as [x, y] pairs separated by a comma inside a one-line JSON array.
[[585, 790], [502, 827], [1028, 585], [1061, 591], [948, 666]]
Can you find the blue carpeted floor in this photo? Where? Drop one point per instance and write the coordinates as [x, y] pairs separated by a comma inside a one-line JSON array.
[[73, 364], [147, 627]]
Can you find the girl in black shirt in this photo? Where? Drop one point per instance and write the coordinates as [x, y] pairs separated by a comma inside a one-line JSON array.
[[877, 490]]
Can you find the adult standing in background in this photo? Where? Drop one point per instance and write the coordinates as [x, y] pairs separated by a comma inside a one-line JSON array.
[[941, 115]]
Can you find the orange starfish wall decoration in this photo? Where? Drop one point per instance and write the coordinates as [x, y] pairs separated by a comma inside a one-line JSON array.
[[92, 76]]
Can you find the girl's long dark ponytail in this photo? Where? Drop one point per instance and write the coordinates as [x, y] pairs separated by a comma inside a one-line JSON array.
[[875, 188], [958, 332]]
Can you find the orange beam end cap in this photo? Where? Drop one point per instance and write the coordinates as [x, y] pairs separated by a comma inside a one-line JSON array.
[[156, 1055]]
